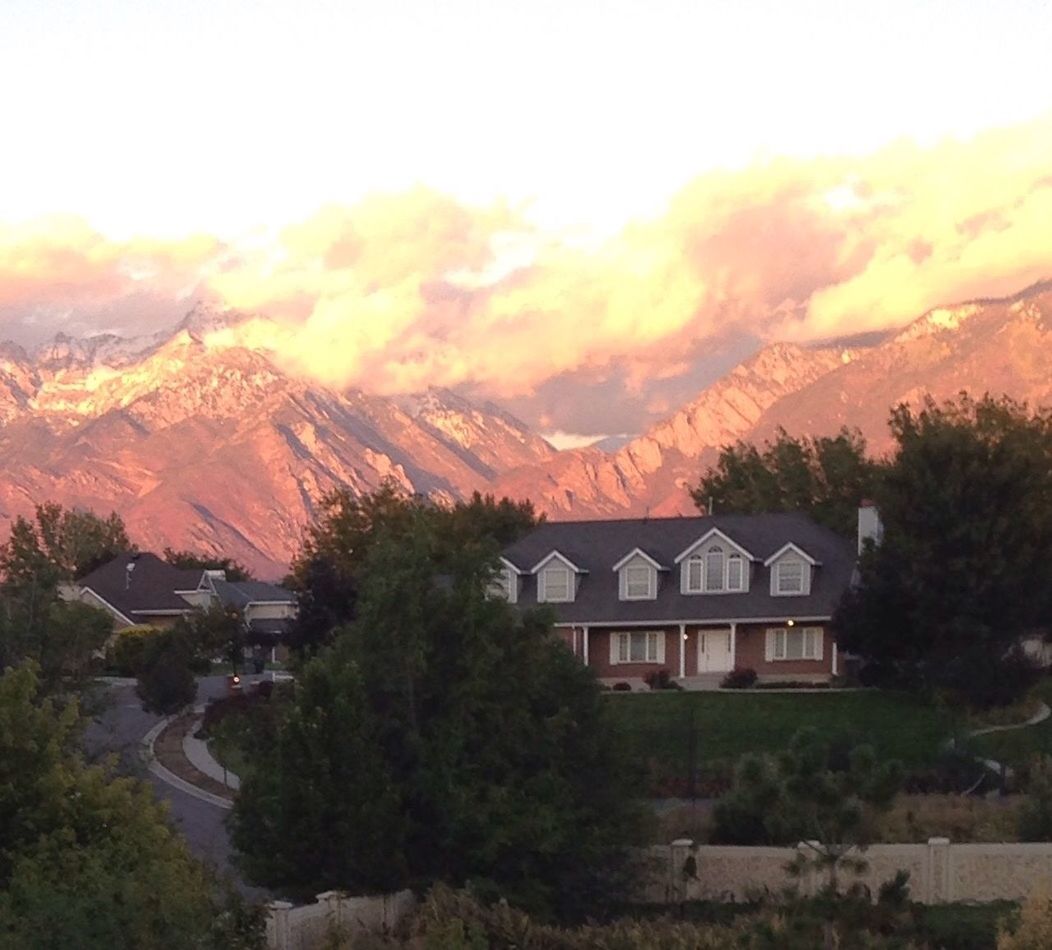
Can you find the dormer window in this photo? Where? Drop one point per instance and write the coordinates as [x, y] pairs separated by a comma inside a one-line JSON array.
[[715, 572], [557, 579], [637, 574], [556, 584], [714, 564], [789, 577], [791, 571]]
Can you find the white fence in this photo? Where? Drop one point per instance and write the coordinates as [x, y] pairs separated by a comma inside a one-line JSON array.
[[939, 871], [306, 927]]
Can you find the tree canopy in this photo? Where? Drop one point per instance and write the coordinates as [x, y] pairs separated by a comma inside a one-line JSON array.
[[335, 548], [962, 572], [62, 637], [88, 860], [72, 541], [825, 477], [190, 560], [442, 736]]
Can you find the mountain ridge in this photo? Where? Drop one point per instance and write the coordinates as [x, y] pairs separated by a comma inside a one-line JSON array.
[[218, 448]]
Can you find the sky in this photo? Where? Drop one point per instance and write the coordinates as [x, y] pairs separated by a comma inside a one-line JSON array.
[[585, 211]]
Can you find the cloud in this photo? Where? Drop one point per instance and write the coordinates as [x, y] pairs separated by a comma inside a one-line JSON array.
[[58, 273], [407, 290]]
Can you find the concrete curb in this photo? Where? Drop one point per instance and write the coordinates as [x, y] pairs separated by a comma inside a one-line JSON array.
[[201, 758], [170, 778]]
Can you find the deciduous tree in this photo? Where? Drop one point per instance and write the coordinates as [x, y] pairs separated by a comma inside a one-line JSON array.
[[88, 860], [824, 477], [441, 737], [326, 570], [962, 572]]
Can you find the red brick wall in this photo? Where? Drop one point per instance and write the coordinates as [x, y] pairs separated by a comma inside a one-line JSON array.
[[749, 645], [751, 652], [599, 656]]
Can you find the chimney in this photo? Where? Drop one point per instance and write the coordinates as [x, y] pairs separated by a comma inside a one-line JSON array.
[[869, 525]]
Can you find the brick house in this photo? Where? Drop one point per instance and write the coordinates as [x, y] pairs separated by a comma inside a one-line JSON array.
[[695, 596]]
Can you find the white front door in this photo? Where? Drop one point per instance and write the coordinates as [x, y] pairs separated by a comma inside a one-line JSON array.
[[714, 651]]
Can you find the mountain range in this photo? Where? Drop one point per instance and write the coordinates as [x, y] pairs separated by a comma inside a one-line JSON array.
[[218, 449]]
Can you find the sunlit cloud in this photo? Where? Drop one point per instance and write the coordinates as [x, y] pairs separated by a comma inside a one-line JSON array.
[[412, 289]]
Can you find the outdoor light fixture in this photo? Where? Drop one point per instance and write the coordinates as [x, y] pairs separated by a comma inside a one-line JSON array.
[[790, 623]]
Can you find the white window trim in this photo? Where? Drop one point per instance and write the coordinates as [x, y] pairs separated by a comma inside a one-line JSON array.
[[771, 644], [805, 578], [651, 592], [701, 557], [655, 638], [543, 596]]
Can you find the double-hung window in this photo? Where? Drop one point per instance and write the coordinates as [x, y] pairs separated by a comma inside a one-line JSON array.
[[556, 584], [637, 581], [789, 577]]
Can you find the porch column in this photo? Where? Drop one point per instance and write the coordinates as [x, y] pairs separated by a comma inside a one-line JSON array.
[[734, 645], [835, 658], [682, 650], [584, 634], [573, 640]]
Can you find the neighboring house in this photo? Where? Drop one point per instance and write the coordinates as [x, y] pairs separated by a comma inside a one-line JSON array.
[[144, 589], [695, 596]]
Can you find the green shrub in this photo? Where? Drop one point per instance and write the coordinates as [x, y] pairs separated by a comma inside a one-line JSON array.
[[127, 650], [741, 677], [166, 681]]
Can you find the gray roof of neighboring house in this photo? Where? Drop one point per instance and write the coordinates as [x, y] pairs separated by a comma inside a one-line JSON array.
[[241, 593], [596, 546], [149, 588]]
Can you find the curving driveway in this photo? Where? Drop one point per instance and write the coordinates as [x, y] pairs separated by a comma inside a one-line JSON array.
[[119, 731]]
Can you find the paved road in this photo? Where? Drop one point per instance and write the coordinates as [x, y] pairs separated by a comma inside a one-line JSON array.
[[120, 729]]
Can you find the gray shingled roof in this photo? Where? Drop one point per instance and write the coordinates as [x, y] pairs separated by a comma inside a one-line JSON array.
[[240, 593], [596, 546], [150, 587]]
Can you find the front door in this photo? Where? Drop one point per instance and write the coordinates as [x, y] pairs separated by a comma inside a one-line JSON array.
[[714, 651]]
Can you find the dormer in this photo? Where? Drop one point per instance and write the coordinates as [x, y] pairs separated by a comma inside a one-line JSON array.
[[791, 571], [507, 581], [557, 578], [714, 564], [637, 576]]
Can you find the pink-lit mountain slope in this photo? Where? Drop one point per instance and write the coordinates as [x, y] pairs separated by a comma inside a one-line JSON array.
[[996, 346], [217, 449]]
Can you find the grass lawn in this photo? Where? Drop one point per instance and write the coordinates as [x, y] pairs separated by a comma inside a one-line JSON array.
[[659, 729], [1016, 746]]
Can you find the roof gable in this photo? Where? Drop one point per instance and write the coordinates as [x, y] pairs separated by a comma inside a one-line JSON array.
[[639, 552], [711, 533], [786, 549], [542, 563]]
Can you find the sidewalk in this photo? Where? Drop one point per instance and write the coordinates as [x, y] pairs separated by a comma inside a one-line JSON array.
[[198, 755], [170, 762]]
